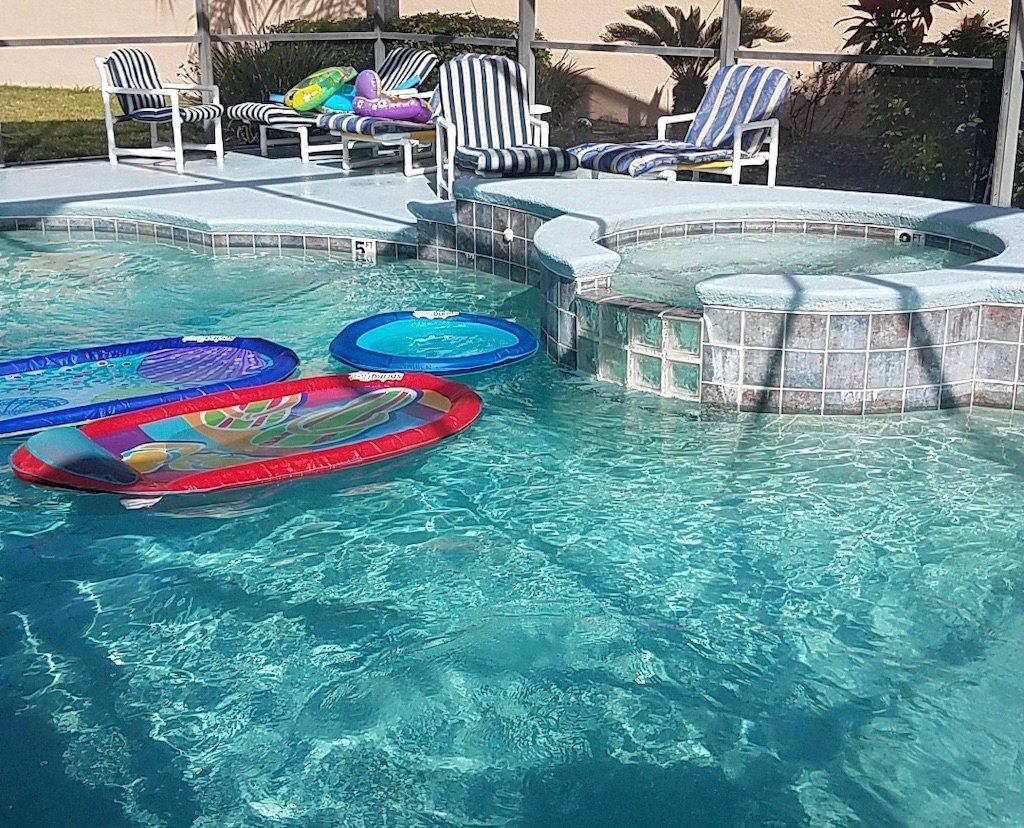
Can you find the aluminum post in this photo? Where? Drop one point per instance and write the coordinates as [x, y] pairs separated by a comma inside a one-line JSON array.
[[527, 27], [732, 11], [1009, 112]]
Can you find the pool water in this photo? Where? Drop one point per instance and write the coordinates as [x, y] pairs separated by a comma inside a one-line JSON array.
[[669, 269], [593, 608], [427, 339]]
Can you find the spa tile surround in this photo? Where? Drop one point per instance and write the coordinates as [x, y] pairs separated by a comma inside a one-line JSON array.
[[814, 363], [752, 360]]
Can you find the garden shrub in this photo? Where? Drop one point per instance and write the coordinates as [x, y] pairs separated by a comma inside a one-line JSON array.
[[247, 71], [938, 126]]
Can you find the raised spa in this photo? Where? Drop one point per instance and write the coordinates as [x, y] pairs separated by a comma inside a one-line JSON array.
[[668, 269]]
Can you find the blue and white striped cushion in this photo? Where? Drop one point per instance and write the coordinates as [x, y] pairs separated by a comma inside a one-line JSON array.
[[486, 97], [516, 160], [189, 114], [641, 157], [738, 95], [359, 125], [407, 62], [270, 115], [134, 68]]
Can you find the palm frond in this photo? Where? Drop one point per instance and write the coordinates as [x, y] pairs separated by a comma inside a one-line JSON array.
[[657, 20], [629, 33]]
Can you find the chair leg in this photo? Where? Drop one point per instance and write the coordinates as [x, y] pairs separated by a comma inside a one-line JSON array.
[[407, 159], [153, 140], [108, 118], [696, 175], [264, 147], [773, 163], [304, 144], [595, 173], [735, 173], [111, 144], [218, 139], [179, 153]]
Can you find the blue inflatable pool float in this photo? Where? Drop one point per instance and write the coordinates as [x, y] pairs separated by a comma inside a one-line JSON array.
[[70, 387], [433, 342]]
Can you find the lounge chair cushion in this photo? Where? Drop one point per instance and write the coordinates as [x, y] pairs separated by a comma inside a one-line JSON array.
[[135, 69], [522, 160], [189, 114], [370, 127], [272, 115], [403, 64], [738, 95], [641, 157]]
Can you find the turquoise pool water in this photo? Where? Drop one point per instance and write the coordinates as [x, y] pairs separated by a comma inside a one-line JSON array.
[[423, 338], [668, 270], [594, 608]]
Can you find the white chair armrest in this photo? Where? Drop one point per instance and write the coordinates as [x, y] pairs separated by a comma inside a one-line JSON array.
[[167, 91], [772, 125], [665, 120], [539, 109], [193, 87], [210, 89]]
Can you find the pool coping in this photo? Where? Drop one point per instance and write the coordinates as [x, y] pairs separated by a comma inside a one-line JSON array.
[[584, 211]]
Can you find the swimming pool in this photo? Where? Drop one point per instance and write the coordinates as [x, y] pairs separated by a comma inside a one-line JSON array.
[[595, 607]]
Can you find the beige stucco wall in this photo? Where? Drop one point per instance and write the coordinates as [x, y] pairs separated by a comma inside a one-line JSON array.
[[633, 87], [73, 65]]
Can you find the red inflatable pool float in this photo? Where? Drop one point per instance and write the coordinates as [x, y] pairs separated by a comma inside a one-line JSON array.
[[253, 436]]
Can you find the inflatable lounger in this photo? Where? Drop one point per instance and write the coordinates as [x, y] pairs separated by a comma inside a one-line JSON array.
[[246, 438], [88, 383], [439, 342]]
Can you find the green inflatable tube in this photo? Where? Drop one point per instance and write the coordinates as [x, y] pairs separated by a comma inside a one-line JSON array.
[[316, 88]]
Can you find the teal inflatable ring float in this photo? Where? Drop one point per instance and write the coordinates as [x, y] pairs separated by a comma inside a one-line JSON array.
[[316, 88]]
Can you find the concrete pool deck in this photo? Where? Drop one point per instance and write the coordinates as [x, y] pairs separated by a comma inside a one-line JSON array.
[[281, 195], [248, 193]]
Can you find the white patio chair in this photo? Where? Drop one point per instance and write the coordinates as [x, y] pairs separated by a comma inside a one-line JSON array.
[[486, 123], [734, 127], [131, 75]]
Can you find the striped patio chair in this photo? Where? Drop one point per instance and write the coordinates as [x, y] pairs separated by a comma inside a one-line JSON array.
[[131, 76], [400, 67], [734, 127], [486, 124]]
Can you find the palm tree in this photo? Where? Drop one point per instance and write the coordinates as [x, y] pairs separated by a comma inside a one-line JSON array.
[[673, 27]]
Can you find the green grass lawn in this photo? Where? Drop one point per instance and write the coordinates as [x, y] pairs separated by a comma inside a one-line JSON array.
[[43, 123]]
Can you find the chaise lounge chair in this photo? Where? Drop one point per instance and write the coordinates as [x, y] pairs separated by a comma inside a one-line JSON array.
[[734, 127], [399, 67], [486, 123], [352, 129], [131, 75]]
